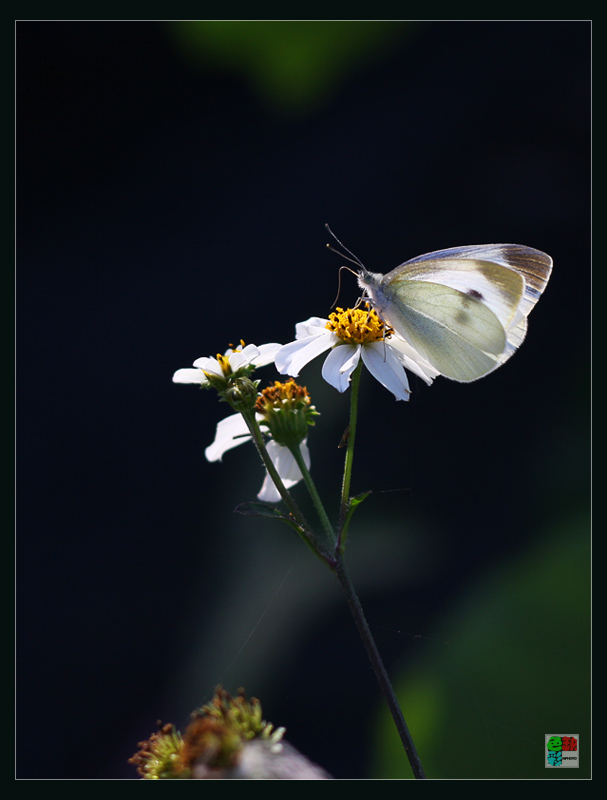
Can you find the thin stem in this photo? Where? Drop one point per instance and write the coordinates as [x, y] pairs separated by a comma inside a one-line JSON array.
[[335, 560], [311, 486], [378, 665], [304, 529], [349, 460]]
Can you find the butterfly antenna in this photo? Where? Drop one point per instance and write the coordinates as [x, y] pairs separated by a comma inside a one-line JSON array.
[[334, 303], [350, 257]]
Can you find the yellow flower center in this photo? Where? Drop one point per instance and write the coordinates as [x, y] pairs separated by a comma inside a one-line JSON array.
[[358, 325], [283, 395]]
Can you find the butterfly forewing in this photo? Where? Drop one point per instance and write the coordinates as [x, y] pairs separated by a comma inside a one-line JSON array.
[[532, 265], [498, 287]]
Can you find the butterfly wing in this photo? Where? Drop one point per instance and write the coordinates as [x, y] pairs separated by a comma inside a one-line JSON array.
[[464, 309], [455, 332], [532, 265]]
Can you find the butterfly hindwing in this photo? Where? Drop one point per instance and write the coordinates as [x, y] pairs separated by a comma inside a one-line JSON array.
[[456, 332]]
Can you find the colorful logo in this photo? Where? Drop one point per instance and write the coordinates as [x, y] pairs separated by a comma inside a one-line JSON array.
[[562, 751]]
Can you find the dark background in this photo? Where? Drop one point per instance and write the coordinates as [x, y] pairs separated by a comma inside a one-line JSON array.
[[172, 186]]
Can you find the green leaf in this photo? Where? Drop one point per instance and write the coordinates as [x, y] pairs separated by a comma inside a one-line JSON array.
[[357, 500], [352, 506], [254, 509]]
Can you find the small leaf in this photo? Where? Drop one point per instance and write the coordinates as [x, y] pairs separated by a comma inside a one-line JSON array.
[[356, 501], [254, 509], [352, 506], [259, 510]]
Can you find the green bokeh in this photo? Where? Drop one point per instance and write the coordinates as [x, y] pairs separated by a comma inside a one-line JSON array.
[[514, 666], [293, 65]]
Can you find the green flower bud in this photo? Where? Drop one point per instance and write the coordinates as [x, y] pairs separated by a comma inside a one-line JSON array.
[[241, 393], [287, 412]]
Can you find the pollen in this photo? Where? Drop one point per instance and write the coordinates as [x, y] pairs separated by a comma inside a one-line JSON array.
[[224, 361], [283, 395], [358, 325]]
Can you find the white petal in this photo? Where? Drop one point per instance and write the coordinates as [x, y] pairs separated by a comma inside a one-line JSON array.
[[230, 432], [266, 353], [285, 464], [293, 357], [412, 360], [305, 451], [242, 358], [311, 327], [189, 375], [385, 366], [340, 364], [350, 363], [268, 493], [209, 364], [287, 469]]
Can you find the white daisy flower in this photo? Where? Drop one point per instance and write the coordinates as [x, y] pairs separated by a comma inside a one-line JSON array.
[[207, 369], [349, 336]]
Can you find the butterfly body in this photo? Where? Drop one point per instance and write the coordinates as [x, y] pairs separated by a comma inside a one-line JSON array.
[[463, 309]]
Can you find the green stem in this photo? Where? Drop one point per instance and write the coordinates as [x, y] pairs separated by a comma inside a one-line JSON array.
[[335, 559], [378, 665], [304, 528], [311, 486], [349, 460]]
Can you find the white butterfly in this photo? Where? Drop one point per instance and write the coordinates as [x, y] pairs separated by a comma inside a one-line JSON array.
[[464, 309]]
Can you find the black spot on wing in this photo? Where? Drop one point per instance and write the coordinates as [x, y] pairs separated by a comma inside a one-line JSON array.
[[463, 317]]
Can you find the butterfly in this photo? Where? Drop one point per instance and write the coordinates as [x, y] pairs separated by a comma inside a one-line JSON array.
[[463, 309]]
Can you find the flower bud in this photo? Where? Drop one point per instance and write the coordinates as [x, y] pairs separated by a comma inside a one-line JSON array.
[[287, 411], [241, 393]]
